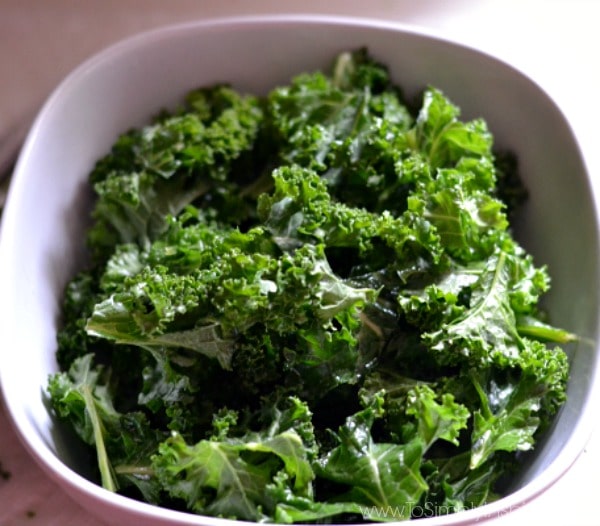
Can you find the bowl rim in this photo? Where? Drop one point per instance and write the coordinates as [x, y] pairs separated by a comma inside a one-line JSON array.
[[76, 484]]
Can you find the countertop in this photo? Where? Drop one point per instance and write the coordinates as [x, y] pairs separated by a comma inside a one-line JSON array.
[[554, 41]]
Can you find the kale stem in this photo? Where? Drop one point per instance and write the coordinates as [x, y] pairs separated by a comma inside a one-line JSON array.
[[140, 471], [545, 332], [106, 475]]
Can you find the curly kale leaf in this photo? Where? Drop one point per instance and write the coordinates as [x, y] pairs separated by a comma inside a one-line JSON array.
[[379, 475], [79, 397], [230, 476], [467, 218], [228, 294], [79, 298], [443, 138], [485, 328], [301, 210], [123, 443], [514, 410], [160, 169], [441, 420], [350, 127]]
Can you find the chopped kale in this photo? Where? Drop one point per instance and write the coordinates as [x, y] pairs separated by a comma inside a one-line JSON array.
[[308, 307]]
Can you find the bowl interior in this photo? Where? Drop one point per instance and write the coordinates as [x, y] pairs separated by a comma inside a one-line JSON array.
[[46, 214]]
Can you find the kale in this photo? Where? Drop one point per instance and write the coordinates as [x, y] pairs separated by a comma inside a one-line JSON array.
[[309, 307]]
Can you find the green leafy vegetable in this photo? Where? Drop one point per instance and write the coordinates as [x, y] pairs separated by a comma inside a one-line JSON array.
[[308, 307], [380, 474]]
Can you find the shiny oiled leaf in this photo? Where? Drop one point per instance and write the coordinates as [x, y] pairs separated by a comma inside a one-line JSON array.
[[193, 472], [486, 331], [379, 474], [436, 420], [229, 477]]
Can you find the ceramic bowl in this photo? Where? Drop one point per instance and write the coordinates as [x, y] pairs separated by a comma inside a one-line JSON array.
[[42, 241]]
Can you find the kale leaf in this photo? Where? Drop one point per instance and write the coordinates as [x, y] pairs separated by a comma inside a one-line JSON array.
[[309, 307]]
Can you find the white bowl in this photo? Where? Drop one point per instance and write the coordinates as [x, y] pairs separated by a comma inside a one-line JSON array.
[[43, 224]]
